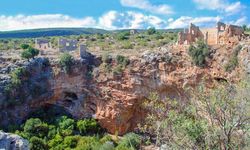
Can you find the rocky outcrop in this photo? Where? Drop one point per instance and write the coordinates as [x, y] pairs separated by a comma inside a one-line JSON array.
[[115, 100], [12, 142]]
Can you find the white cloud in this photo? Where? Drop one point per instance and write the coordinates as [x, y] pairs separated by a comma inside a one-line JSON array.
[[184, 21], [109, 20], [146, 5], [130, 20], [43, 21], [222, 5], [241, 21]]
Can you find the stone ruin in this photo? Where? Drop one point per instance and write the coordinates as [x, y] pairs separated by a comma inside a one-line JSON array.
[[43, 44], [66, 45], [133, 32], [219, 35]]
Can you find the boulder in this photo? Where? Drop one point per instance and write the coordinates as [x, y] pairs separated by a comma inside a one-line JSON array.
[[12, 142]]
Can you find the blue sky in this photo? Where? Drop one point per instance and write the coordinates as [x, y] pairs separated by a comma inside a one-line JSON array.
[[120, 14]]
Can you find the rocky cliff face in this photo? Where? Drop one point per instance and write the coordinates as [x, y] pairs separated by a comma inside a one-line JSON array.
[[12, 142], [114, 99]]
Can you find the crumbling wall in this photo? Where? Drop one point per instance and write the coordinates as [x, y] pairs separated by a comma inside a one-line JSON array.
[[191, 35], [221, 34]]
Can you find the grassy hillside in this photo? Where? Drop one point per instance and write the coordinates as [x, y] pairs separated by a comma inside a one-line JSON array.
[[33, 33]]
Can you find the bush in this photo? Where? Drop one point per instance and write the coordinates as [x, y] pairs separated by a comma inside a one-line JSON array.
[[37, 144], [199, 52], [122, 60], [233, 61], [88, 125], [66, 61], [106, 146], [17, 75], [123, 36], [87, 143], [106, 138], [130, 140], [127, 45], [24, 46], [29, 53], [35, 127], [151, 31], [65, 125], [106, 58]]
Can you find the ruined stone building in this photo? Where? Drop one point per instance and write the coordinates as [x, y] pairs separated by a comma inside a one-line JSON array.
[[221, 34], [67, 45], [43, 44], [133, 31]]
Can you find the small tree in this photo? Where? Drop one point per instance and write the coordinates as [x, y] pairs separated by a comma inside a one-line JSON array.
[[29, 53], [199, 52], [244, 27], [24, 46], [66, 61], [151, 31]]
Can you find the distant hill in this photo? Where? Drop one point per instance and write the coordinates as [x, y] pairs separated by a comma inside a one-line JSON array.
[[33, 33]]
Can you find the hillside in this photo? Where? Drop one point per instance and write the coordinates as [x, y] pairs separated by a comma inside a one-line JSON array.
[[33, 33]]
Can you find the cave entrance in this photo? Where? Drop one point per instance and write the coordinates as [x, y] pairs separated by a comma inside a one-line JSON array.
[[70, 96], [49, 113]]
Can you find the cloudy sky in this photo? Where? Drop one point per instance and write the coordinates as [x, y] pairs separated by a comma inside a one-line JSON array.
[[120, 14]]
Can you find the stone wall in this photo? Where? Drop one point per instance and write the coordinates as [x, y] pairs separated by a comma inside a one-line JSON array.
[[221, 34]]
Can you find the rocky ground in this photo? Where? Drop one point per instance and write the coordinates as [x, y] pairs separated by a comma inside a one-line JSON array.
[[114, 99], [12, 142]]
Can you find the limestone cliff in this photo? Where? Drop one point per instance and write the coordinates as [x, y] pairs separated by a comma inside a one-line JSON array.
[[113, 99]]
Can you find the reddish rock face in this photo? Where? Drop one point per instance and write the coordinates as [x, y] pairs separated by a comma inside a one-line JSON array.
[[116, 100]]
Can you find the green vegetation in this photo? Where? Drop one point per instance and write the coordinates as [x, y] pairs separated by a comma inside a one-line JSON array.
[[66, 61], [199, 52], [24, 46], [151, 31], [18, 76], [66, 133], [121, 64], [233, 60], [87, 125], [210, 119], [29, 52], [123, 35]]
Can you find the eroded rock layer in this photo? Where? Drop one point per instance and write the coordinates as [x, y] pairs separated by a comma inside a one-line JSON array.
[[115, 100]]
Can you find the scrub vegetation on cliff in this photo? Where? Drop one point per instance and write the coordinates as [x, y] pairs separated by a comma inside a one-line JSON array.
[[211, 119], [61, 133]]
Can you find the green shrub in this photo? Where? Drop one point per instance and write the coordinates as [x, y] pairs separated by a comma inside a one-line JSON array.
[[127, 45], [37, 144], [117, 70], [55, 141], [24, 46], [29, 53], [66, 61], [17, 75], [151, 31], [199, 52], [130, 140], [233, 61], [123, 36], [70, 141], [105, 146], [122, 60], [106, 138], [65, 125], [106, 58], [88, 125], [87, 143], [35, 127]]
